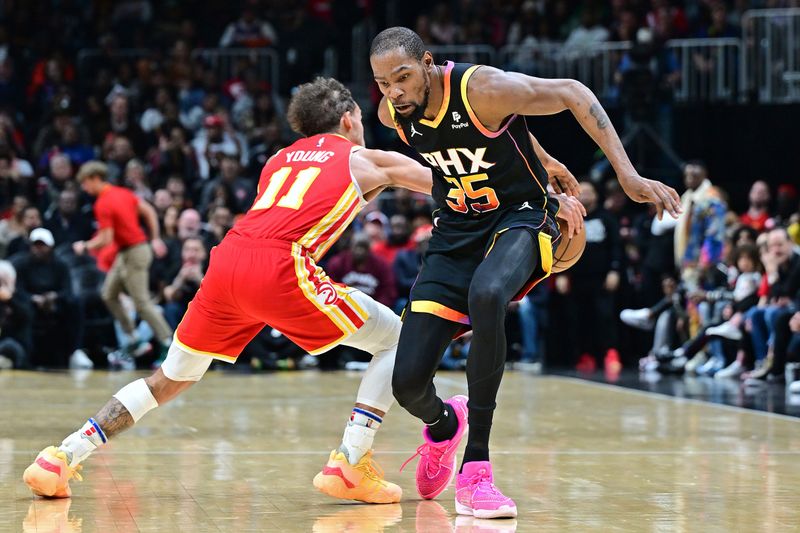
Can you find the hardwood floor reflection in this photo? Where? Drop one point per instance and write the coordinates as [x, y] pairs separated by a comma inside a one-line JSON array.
[[238, 452]]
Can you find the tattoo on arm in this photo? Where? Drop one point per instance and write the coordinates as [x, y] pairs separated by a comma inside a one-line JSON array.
[[113, 418], [600, 116]]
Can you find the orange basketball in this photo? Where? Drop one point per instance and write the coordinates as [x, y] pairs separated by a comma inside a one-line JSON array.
[[569, 250]]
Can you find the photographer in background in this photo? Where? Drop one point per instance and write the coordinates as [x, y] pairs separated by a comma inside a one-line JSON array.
[[647, 75]]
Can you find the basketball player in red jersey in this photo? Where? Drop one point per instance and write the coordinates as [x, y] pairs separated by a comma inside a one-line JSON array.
[[265, 272]]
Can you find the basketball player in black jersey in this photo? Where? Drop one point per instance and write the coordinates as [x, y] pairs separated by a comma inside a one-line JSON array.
[[494, 236]]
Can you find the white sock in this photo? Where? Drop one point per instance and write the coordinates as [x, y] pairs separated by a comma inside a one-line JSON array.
[[359, 434], [80, 445]]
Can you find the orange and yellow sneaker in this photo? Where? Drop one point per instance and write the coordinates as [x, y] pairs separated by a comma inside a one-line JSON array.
[[363, 481], [49, 475]]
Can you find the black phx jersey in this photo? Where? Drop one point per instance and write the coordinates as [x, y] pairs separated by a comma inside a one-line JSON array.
[[475, 170], [484, 183]]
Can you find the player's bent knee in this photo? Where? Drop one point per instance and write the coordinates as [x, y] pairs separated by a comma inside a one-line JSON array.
[[181, 365], [380, 332], [490, 293]]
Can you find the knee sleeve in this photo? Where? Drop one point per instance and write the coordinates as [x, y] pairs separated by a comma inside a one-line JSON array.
[[184, 366], [378, 336], [376, 385], [380, 332]]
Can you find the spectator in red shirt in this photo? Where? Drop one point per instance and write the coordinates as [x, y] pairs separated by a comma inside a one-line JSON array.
[[399, 239], [117, 211], [757, 215], [361, 269]]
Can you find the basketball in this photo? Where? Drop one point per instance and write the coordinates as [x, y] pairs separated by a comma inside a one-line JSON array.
[[569, 250]]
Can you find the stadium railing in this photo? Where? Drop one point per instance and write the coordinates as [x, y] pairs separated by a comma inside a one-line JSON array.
[[771, 61]]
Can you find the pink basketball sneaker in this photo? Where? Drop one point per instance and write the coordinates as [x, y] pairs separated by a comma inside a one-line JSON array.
[[476, 494], [437, 462]]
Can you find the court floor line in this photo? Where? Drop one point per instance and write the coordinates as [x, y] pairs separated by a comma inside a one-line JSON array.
[[406, 452], [674, 399]]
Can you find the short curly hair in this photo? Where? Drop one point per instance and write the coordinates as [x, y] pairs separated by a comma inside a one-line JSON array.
[[398, 37], [317, 107]]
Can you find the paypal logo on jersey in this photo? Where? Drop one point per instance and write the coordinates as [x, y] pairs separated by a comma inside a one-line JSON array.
[[458, 125], [458, 159]]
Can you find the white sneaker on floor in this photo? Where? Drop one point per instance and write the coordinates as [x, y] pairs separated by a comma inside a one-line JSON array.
[[80, 361], [733, 370], [793, 387], [6, 363], [696, 362], [637, 318], [307, 361], [119, 360], [726, 330]]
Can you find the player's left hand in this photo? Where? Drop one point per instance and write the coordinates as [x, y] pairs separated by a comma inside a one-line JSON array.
[[560, 178], [572, 212], [643, 190]]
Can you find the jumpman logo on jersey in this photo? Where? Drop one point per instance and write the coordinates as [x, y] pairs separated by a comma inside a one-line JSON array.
[[414, 131], [525, 205], [319, 143]]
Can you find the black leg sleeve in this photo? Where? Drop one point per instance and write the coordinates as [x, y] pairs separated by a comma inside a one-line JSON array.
[[423, 340], [497, 280]]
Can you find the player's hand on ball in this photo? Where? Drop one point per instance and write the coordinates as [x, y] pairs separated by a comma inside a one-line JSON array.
[[560, 178], [643, 190], [572, 212]]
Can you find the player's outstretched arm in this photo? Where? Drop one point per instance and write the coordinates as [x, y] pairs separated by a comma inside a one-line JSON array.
[[376, 169], [495, 94]]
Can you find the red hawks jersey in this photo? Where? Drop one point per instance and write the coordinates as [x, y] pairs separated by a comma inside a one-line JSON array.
[[306, 195]]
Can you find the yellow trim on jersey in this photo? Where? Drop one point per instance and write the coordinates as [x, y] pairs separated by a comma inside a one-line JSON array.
[[546, 252], [494, 240], [545, 249], [349, 300], [336, 315], [348, 197], [445, 100], [328, 346], [323, 247], [475, 120], [222, 357], [442, 311]]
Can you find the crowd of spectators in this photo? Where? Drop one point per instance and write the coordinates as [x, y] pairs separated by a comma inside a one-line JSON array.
[[191, 138], [730, 304], [579, 24]]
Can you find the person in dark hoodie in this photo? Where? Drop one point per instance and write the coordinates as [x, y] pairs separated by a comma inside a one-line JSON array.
[[594, 280]]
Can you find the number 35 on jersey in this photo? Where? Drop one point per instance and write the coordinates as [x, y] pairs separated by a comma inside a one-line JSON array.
[[466, 193]]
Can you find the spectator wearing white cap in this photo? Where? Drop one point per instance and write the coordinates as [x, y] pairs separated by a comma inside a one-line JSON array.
[[58, 314]]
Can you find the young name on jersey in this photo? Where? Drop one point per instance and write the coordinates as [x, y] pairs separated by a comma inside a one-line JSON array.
[[307, 156]]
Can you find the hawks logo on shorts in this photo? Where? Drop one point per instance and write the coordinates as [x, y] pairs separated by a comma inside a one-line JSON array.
[[326, 293]]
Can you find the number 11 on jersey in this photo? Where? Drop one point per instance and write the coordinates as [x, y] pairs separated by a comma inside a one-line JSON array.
[[293, 198]]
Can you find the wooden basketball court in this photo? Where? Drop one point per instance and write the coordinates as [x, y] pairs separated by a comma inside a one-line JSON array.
[[238, 452]]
